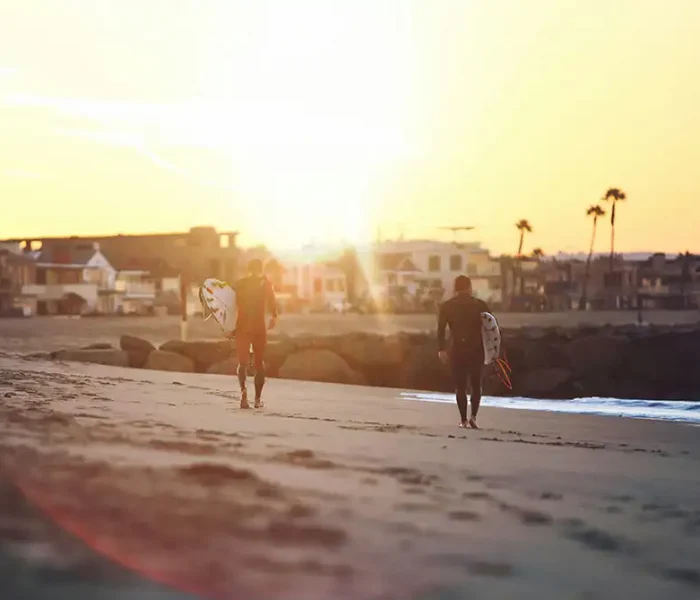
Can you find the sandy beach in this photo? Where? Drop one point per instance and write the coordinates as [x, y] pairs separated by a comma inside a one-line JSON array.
[[342, 492]]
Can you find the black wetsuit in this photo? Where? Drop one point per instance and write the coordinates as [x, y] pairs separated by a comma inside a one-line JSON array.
[[255, 297], [463, 314]]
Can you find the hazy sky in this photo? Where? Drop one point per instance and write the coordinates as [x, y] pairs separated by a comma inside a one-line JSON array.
[[300, 120]]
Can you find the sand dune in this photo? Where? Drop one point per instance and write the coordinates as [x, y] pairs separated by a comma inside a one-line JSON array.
[[347, 492]]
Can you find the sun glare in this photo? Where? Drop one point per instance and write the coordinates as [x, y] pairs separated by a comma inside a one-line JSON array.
[[319, 117]]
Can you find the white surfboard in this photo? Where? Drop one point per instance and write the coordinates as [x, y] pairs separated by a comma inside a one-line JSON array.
[[491, 337], [219, 301]]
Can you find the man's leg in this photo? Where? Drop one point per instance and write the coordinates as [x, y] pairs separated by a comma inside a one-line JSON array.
[[459, 377], [475, 370], [259, 346], [243, 357]]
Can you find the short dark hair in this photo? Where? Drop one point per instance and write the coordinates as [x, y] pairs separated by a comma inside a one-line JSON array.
[[255, 266], [463, 284]]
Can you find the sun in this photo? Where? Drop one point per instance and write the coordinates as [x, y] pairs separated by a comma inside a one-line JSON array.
[[319, 115]]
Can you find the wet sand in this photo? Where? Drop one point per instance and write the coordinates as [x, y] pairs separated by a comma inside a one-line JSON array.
[[348, 492]]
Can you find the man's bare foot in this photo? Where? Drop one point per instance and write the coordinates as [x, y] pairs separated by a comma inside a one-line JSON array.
[[463, 424], [244, 398], [472, 423], [259, 403]]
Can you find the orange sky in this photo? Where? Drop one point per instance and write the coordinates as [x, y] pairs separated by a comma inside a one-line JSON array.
[[318, 121]]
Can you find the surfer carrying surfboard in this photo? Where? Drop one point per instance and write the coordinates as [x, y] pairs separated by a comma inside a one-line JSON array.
[[466, 359], [255, 297]]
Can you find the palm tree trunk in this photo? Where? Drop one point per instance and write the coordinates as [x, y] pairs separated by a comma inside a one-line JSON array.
[[584, 293], [520, 264], [612, 239]]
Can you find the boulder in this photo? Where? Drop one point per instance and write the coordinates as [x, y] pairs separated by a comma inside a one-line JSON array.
[[115, 358], [595, 354], [319, 365], [276, 353], [129, 343], [159, 360], [372, 350], [422, 370], [224, 367], [138, 358], [543, 383], [202, 353]]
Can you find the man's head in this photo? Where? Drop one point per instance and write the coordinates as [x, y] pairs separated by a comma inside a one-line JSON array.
[[463, 285], [255, 267]]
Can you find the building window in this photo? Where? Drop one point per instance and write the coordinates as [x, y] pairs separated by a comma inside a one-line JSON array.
[[433, 264], [612, 280], [456, 262]]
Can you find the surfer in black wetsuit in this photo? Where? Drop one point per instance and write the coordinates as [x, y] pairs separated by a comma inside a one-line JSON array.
[[255, 297], [463, 314]]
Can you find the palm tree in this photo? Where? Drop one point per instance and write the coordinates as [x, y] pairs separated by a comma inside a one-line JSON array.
[[523, 226], [595, 211], [613, 195], [537, 254]]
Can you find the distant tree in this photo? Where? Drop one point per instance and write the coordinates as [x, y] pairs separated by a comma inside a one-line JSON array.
[[613, 195], [538, 254], [596, 211], [523, 226]]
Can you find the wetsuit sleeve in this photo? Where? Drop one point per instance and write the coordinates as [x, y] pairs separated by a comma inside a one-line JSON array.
[[442, 324], [271, 299]]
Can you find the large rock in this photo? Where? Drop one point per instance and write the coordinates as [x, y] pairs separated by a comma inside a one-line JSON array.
[[225, 367], [319, 365], [543, 383], [114, 358], [202, 353], [160, 360], [130, 342], [422, 370], [595, 355], [276, 353], [372, 350]]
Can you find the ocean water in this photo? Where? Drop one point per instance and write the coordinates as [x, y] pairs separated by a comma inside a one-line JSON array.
[[659, 410]]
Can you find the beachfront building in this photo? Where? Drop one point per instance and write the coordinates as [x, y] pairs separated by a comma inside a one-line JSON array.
[[72, 280], [16, 272], [313, 286], [421, 272], [196, 254], [665, 283]]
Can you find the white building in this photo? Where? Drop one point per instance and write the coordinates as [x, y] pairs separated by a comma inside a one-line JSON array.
[[80, 280], [77, 281], [136, 292], [427, 264], [316, 285]]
